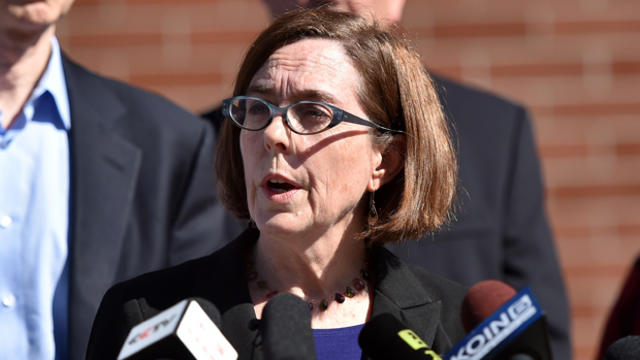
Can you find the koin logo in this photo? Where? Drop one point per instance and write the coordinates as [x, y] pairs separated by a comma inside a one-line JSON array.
[[498, 327]]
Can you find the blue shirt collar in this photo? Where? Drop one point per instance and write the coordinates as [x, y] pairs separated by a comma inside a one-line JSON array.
[[53, 80]]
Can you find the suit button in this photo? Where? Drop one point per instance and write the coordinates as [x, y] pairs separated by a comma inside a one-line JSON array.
[[9, 300], [5, 221]]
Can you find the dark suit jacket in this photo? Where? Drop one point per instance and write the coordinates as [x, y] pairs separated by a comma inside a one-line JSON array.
[[501, 232], [142, 190], [428, 304]]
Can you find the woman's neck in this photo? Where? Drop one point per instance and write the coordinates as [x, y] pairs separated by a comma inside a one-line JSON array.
[[315, 270], [309, 269]]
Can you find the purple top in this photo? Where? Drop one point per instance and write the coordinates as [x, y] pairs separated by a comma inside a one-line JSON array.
[[338, 344]]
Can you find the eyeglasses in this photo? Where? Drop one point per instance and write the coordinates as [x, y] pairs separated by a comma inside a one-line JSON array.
[[304, 117]]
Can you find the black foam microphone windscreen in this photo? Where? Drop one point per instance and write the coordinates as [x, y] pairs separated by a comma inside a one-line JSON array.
[[286, 329], [627, 348], [384, 337], [210, 309]]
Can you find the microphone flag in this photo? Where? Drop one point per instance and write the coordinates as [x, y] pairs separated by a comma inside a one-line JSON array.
[[184, 328], [519, 321]]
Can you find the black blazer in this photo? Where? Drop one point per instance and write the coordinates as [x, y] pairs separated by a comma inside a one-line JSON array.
[[428, 304], [501, 231], [142, 190]]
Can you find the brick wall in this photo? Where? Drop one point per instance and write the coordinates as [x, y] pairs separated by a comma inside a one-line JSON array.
[[574, 63]]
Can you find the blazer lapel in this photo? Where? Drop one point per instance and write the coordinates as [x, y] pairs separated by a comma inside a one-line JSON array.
[[400, 293], [104, 168], [224, 280]]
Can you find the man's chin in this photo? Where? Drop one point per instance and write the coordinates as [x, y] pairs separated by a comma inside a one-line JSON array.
[[35, 15]]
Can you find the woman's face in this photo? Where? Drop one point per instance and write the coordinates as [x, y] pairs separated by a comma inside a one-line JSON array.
[[308, 184]]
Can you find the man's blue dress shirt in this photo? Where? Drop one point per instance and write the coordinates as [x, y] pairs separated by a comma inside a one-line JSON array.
[[34, 217]]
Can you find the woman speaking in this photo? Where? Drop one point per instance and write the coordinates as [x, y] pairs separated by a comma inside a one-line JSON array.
[[334, 144]]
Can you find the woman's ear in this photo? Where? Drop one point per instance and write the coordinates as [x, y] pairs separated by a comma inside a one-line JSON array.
[[391, 164]]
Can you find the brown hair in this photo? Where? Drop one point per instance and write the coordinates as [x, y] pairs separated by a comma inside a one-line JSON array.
[[395, 92]]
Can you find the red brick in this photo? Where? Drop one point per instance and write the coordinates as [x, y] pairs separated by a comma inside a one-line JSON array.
[[597, 292], [595, 211], [597, 27], [592, 131], [594, 190], [593, 175], [591, 109], [585, 230], [567, 94], [475, 30], [625, 67], [596, 253], [527, 70], [628, 149]]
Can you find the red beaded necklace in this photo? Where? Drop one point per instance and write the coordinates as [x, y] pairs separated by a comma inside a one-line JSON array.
[[356, 286]]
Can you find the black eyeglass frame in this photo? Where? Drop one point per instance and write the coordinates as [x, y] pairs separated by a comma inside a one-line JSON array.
[[339, 115]]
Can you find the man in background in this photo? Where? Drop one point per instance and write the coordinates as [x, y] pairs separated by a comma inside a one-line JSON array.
[[99, 182], [501, 231]]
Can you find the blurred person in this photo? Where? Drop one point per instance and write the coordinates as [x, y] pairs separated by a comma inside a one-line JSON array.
[[100, 182], [329, 160], [501, 230]]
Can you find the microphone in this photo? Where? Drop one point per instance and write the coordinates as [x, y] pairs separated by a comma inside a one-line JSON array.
[[286, 329], [508, 325], [183, 331], [483, 299], [385, 337], [626, 348]]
